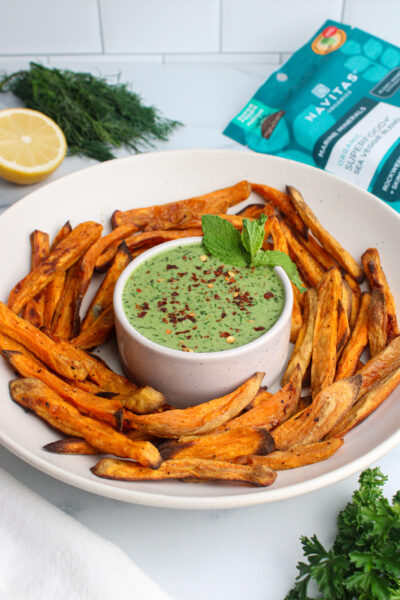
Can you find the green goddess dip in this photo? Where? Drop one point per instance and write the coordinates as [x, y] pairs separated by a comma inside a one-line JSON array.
[[185, 299]]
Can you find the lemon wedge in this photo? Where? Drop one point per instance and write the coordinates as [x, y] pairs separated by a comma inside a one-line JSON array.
[[31, 145]]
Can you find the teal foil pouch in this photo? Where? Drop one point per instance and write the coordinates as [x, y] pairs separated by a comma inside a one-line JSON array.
[[334, 105]]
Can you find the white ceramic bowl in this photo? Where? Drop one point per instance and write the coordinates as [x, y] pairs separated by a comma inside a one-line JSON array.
[[190, 378]]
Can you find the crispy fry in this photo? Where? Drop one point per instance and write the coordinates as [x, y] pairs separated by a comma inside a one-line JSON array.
[[318, 252], [27, 365], [104, 295], [189, 468], [144, 400], [71, 446], [280, 243], [324, 237], [34, 308], [299, 456], [65, 321], [323, 363], [43, 347], [347, 298], [377, 321], [321, 416], [66, 253], [274, 410], [38, 397], [380, 365], [348, 362], [376, 277], [199, 419], [53, 290], [143, 241], [99, 332], [356, 299], [88, 262], [310, 270], [367, 404], [343, 329], [225, 445], [251, 211], [302, 351], [180, 215], [260, 397], [282, 202]]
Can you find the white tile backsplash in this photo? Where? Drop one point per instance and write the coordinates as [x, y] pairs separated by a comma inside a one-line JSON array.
[[44, 26], [160, 25], [271, 25], [381, 18]]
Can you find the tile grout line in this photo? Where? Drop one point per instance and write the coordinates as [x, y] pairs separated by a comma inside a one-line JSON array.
[[100, 26]]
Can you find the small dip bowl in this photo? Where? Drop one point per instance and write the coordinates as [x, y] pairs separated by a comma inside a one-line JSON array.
[[189, 378]]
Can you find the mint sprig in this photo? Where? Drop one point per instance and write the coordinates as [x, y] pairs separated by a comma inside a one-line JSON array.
[[223, 241]]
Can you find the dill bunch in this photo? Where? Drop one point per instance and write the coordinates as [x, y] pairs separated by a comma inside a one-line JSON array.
[[95, 116]]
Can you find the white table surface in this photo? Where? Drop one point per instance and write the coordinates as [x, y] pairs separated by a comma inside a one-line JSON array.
[[248, 553]]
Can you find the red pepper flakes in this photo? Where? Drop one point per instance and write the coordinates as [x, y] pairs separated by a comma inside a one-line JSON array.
[[224, 334], [169, 267], [142, 314], [259, 328], [182, 332], [268, 295], [138, 290]]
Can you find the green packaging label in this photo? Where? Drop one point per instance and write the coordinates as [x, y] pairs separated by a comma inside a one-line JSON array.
[[334, 105]]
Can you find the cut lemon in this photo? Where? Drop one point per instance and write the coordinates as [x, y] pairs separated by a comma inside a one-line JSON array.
[[31, 145]]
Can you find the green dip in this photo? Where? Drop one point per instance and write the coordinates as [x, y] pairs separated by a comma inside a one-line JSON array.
[[185, 299]]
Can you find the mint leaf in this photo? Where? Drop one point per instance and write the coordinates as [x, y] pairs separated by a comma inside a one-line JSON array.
[[252, 236], [222, 240], [275, 258]]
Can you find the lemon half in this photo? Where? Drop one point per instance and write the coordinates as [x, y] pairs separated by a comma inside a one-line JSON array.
[[31, 145]]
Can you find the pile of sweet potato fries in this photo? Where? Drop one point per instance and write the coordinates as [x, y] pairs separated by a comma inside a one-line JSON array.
[[245, 436]]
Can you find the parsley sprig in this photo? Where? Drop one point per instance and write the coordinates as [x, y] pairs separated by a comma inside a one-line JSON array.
[[364, 562], [223, 241]]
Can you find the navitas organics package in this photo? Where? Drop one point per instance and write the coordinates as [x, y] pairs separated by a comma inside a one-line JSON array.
[[335, 105]]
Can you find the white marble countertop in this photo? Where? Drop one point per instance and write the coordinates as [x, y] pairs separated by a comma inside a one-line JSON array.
[[245, 553]]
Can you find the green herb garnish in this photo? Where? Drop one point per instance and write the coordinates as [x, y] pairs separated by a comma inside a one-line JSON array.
[[364, 562], [223, 241], [94, 115]]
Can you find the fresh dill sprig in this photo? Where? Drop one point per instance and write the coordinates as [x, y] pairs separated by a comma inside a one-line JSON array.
[[95, 116]]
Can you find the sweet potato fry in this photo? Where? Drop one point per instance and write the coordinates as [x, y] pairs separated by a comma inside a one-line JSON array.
[[302, 351], [40, 248], [188, 468], [262, 395], [65, 321], [321, 416], [110, 411], [104, 295], [39, 344], [348, 362], [66, 253], [88, 262], [251, 211], [299, 456], [282, 202], [377, 321], [355, 300], [144, 400], [366, 404], [341, 255], [318, 252], [144, 241], [71, 446], [376, 277], [225, 445], [380, 365], [274, 410], [310, 270], [38, 397], [199, 419], [323, 364], [54, 289], [343, 329], [180, 215], [98, 333]]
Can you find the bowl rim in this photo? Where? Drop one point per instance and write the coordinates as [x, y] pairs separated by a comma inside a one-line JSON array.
[[130, 330]]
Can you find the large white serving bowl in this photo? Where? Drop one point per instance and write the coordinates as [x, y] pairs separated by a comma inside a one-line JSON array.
[[355, 217]]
